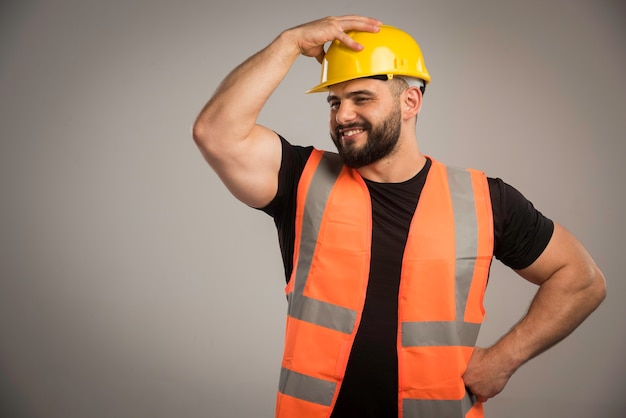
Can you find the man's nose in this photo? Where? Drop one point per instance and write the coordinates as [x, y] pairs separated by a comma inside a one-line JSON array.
[[345, 114]]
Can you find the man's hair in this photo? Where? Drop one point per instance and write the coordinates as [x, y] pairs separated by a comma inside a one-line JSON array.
[[411, 82], [400, 83]]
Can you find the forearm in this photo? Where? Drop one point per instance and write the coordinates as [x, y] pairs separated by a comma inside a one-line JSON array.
[[232, 111], [560, 305]]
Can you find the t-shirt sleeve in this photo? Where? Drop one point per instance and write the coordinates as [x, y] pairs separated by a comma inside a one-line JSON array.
[[283, 207], [292, 164], [521, 231]]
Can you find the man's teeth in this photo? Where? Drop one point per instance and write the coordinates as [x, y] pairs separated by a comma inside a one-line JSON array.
[[352, 132]]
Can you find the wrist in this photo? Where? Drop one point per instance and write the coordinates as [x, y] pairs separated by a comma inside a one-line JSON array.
[[508, 358], [287, 44]]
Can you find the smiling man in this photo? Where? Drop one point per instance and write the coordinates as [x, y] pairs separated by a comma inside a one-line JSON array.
[[358, 142], [386, 251]]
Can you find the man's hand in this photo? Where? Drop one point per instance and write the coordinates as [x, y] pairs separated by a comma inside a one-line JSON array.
[[486, 375], [311, 37]]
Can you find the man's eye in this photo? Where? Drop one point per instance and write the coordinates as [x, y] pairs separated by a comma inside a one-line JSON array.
[[334, 105]]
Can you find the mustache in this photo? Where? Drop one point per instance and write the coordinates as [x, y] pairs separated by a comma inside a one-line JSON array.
[[355, 125]]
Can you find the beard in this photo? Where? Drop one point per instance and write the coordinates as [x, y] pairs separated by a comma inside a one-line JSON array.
[[381, 141]]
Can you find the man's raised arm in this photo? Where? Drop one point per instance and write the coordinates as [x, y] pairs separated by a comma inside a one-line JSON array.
[[245, 155]]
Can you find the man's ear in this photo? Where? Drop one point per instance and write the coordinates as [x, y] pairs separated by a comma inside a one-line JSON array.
[[412, 102]]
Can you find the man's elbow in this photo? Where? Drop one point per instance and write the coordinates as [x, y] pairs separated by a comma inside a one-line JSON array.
[[599, 285], [205, 136], [595, 291], [199, 132]]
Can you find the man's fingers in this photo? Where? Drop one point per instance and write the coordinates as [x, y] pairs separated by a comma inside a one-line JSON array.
[[359, 22], [349, 42], [312, 36], [356, 23]]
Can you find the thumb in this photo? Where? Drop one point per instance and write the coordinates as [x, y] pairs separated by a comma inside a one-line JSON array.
[[320, 57]]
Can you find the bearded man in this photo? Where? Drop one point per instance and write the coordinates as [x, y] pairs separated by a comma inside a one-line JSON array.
[[386, 251]]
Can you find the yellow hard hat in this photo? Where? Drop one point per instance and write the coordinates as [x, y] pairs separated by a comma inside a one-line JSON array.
[[389, 52]]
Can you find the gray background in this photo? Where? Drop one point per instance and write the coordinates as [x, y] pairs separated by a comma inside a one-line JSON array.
[[133, 285]]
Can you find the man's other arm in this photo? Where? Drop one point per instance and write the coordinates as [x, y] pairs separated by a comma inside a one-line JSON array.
[[571, 287]]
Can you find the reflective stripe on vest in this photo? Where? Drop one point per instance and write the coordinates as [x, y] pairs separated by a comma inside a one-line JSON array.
[[338, 321], [305, 387], [305, 308], [457, 332], [424, 336], [325, 331], [432, 408]]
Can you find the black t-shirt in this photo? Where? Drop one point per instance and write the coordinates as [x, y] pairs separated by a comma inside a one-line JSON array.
[[370, 385]]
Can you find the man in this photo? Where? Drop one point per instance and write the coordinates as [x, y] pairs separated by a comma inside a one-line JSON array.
[[386, 251]]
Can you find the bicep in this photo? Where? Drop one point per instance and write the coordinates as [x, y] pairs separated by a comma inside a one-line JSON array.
[[563, 253], [249, 168]]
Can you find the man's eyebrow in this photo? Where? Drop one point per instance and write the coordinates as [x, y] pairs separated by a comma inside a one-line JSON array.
[[351, 94]]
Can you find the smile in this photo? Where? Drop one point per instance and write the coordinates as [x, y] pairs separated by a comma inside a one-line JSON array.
[[351, 132]]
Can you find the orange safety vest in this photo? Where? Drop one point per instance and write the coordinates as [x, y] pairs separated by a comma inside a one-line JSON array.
[[445, 268]]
